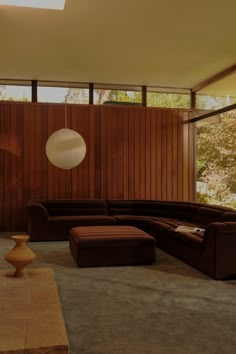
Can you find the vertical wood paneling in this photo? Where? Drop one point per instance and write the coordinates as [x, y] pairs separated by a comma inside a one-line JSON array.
[[164, 157], [159, 137], [97, 153], [185, 158], [66, 175], [13, 170], [120, 153], [103, 156], [114, 143], [192, 172], [126, 155], [180, 157], [2, 164], [44, 160], [169, 156], [132, 153], [10, 155], [175, 156], [147, 118], [108, 114], [153, 156], [38, 151], [50, 130], [90, 153], [20, 181], [57, 123], [142, 154], [137, 153]]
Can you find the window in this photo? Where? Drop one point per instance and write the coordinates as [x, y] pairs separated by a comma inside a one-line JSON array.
[[219, 94], [15, 91], [63, 93], [209, 102], [216, 160], [116, 94], [168, 98]]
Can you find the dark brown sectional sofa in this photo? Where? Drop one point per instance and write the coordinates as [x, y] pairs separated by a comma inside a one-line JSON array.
[[213, 251]]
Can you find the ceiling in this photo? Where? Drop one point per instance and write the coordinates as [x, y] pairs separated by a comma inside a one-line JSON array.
[[226, 86], [152, 42]]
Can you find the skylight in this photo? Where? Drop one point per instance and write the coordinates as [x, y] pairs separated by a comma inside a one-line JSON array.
[[40, 4]]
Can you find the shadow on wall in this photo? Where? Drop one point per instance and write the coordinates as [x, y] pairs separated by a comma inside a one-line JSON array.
[[11, 195]]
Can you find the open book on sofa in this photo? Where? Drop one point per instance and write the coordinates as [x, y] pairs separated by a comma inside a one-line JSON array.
[[190, 229]]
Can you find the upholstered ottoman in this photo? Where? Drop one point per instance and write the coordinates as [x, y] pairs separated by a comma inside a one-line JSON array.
[[111, 245]]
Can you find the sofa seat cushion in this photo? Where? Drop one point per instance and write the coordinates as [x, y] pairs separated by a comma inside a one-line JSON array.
[[162, 228], [137, 218], [192, 239], [174, 222], [82, 220]]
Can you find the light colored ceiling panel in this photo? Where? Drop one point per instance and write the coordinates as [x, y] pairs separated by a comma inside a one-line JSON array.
[[224, 87], [152, 42]]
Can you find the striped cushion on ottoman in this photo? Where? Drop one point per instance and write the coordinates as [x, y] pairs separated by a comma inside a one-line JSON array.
[[111, 245]]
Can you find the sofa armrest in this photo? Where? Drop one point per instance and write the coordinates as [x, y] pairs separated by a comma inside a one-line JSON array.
[[37, 216], [221, 236]]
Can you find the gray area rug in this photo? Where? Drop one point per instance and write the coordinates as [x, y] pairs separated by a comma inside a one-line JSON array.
[[167, 308]]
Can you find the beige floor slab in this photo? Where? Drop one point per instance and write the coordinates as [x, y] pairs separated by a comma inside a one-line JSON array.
[[31, 320]]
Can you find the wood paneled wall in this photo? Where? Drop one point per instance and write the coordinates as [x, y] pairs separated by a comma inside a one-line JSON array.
[[132, 153]]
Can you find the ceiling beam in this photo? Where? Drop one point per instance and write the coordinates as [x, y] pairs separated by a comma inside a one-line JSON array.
[[91, 89], [34, 90], [193, 100], [220, 75], [144, 96], [210, 114]]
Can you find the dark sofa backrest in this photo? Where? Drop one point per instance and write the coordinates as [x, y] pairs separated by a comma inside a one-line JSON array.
[[228, 216], [207, 215], [198, 213], [178, 210], [75, 207]]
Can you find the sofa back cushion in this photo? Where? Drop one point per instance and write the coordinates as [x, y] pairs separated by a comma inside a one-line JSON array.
[[122, 207], [152, 208], [228, 216], [205, 216], [75, 207]]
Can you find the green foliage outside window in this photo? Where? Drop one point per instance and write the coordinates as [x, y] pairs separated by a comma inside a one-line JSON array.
[[216, 161], [168, 100], [21, 95]]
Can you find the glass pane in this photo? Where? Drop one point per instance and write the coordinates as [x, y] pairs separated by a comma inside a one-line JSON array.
[[219, 94], [63, 95], [105, 96], [15, 93], [213, 102], [216, 161], [168, 100]]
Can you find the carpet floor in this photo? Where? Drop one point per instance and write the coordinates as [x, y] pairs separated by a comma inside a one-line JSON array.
[[166, 308]]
